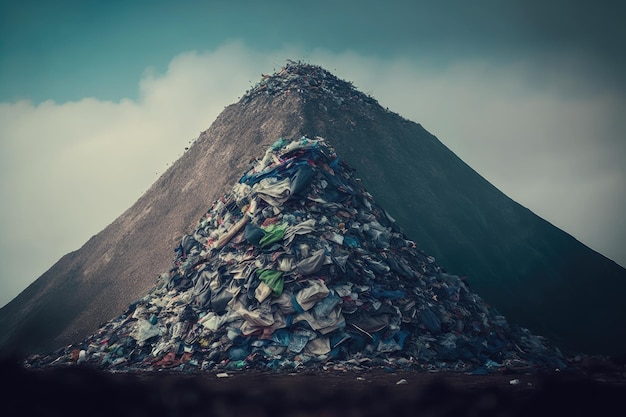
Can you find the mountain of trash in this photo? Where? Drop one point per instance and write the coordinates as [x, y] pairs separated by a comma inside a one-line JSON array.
[[296, 267]]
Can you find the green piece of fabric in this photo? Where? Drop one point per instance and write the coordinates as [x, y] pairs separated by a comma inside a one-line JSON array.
[[273, 279], [273, 233]]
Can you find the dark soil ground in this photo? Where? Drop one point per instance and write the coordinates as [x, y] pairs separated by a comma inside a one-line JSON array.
[[594, 390]]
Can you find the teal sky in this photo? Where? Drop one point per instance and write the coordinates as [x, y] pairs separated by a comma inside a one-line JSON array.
[[69, 49], [97, 98]]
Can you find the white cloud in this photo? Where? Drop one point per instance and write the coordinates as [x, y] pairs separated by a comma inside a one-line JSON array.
[[69, 169], [554, 149]]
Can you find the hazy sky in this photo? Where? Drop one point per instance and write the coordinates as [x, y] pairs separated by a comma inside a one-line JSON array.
[[98, 98]]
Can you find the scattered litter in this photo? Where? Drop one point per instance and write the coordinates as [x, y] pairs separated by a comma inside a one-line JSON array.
[[402, 382], [222, 375], [514, 382]]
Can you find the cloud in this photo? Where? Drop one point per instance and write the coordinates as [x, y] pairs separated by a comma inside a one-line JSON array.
[[560, 154], [69, 169], [553, 146]]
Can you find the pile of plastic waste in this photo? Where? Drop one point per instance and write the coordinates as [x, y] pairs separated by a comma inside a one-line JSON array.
[[296, 267]]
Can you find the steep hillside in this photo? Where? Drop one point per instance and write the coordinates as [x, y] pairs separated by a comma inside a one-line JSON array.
[[534, 273]]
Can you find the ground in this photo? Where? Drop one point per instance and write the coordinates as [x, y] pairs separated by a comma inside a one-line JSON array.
[[594, 390]]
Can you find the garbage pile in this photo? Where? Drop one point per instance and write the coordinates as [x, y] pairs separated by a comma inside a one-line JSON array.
[[297, 267]]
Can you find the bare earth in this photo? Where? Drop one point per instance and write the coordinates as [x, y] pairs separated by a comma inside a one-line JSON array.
[[597, 391]]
